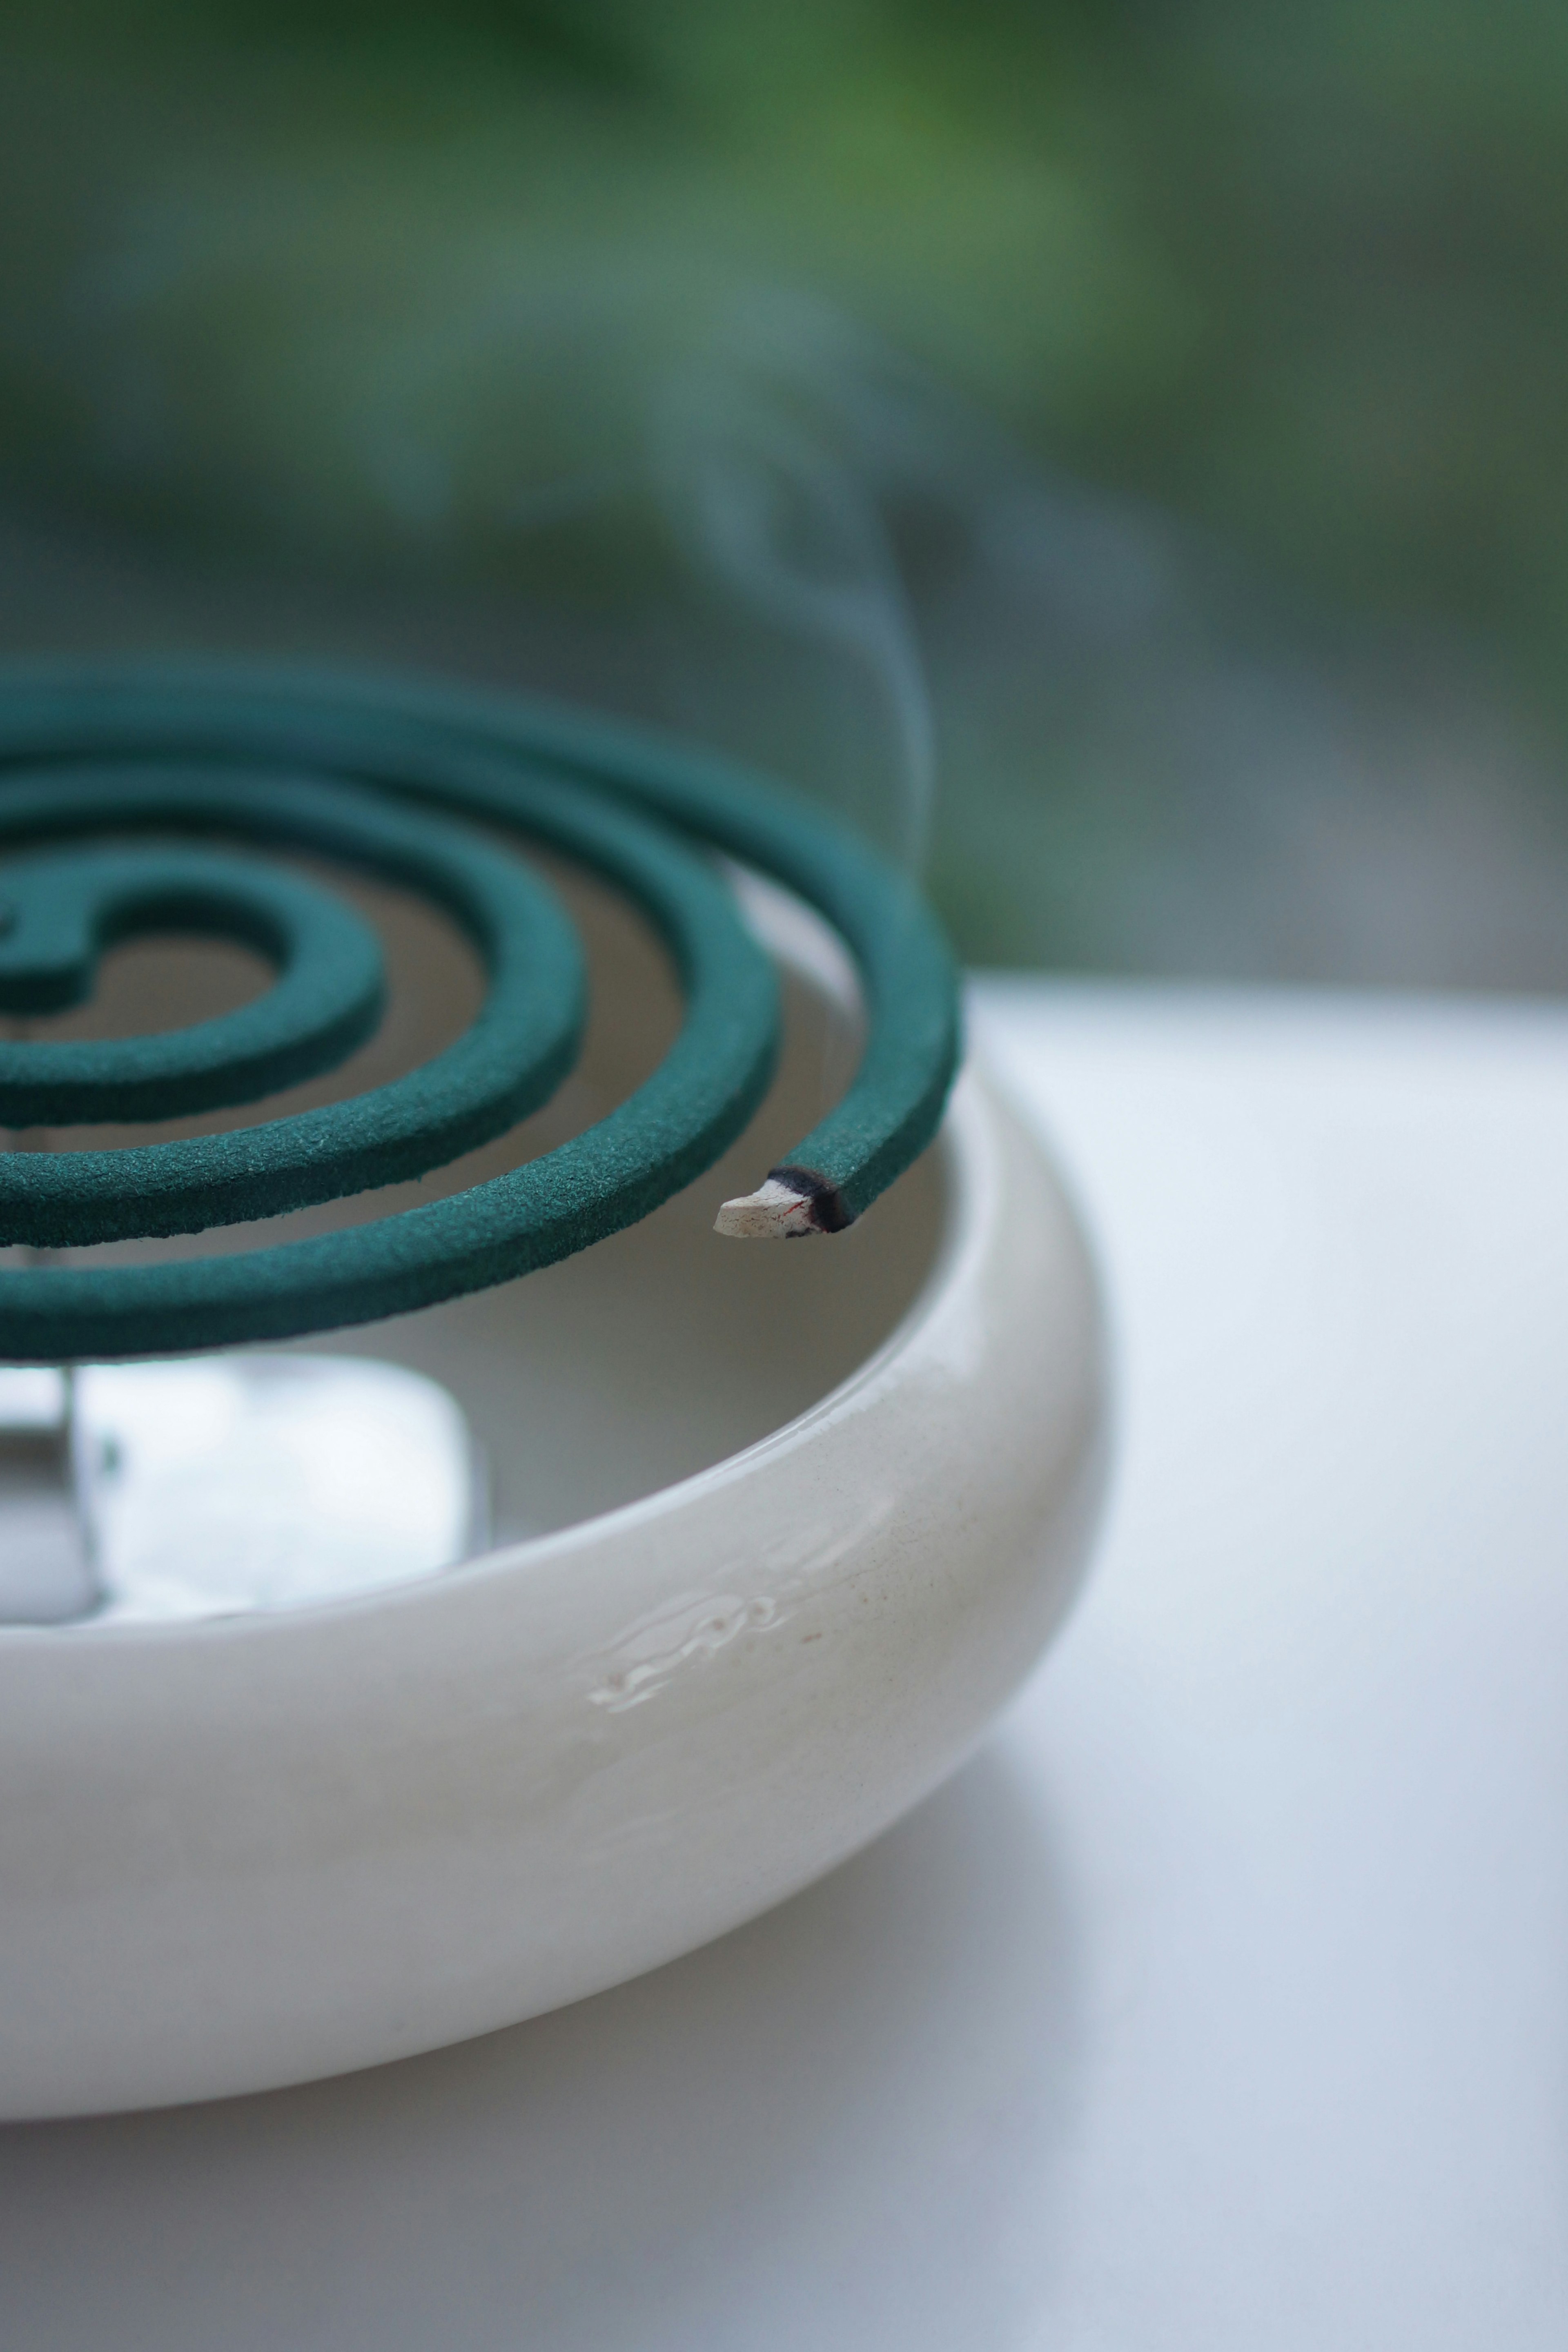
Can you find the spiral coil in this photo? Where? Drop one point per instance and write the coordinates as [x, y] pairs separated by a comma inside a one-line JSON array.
[[397, 782]]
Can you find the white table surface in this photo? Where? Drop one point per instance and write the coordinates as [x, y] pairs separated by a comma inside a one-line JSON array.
[[1223, 2002]]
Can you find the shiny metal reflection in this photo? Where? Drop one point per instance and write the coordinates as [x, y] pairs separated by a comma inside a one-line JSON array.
[[216, 1486]]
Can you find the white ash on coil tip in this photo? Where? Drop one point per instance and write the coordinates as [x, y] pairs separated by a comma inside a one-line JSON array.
[[793, 1202]]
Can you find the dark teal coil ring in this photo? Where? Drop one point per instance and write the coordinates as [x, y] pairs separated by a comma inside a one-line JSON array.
[[395, 780]]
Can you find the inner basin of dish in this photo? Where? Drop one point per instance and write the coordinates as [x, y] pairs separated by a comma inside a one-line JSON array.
[[272, 1479]]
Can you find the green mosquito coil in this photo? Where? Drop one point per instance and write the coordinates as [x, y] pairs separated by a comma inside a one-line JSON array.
[[119, 788]]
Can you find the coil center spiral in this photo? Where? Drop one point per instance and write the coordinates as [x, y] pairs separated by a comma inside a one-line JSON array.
[[63, 912], [123, 798]]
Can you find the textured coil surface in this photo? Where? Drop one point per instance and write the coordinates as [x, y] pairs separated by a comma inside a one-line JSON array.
[[124, 793]]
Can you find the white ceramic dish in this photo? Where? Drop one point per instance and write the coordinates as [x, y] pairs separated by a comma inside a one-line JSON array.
[[249, 1850]]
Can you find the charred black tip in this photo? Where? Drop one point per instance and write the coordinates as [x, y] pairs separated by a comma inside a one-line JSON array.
[[829, 1212]]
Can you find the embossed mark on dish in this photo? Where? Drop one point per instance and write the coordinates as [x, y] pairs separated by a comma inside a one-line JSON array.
[[689, 1631]]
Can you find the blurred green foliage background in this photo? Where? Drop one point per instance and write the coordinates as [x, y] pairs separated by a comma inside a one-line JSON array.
[[1156, 412]]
